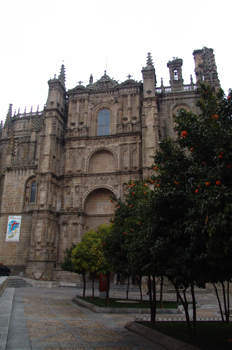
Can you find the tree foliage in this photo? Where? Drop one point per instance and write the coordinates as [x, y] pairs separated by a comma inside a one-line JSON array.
[[180, 225]]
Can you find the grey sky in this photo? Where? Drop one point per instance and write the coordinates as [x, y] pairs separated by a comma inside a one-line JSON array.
[[91, 36]]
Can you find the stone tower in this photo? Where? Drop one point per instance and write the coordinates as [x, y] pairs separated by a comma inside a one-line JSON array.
[[205, 67], [175, 71], [45, 223]]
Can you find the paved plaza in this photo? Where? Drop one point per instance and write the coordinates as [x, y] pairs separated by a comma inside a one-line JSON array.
[[43, 318]]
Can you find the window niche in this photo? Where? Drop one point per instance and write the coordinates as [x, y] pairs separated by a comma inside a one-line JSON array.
[[30, 192], [175, 74], [33, 191], [103, 126]]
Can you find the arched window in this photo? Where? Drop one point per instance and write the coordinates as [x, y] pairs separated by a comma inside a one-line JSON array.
[[175, 74], [33, 190], [103, 122]]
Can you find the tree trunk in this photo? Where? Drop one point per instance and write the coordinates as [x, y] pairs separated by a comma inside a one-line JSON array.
[[154, 297], [140, 288], [219, 302], [161, 292], [84, 286], [127, 289], [152, 311], [185, 305], [108, 288], [93, 286], [228, 301], [226, 307], [194, 312]]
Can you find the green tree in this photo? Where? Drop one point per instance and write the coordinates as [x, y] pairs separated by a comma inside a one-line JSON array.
[[193, 201], [208, 138], [88, 254], [127, 249], [173, 247], [68, 265]]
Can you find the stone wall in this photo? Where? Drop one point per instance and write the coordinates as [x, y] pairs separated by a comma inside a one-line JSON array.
[[74, 168], [15, 254]]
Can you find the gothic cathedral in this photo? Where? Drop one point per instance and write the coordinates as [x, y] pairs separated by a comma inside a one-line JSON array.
[[60, 166]]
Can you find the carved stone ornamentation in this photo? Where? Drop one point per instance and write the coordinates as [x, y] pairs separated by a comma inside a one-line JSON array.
[[60, 166]]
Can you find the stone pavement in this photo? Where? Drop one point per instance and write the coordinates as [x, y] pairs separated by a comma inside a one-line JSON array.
[[43, 318], [47, 319]]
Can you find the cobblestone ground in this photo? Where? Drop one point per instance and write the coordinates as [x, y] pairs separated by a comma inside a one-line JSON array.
[[48, 319]]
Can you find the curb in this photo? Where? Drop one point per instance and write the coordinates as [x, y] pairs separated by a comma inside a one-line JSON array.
[[159, 338], [6, 302], [3, 284], [113, 310]]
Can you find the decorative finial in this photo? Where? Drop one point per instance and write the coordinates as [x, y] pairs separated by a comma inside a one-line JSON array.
[[104, 72], [62, 75], [8, 121], [162, 83], [129, 76], [80, 82], [91, 79], [149, 60]]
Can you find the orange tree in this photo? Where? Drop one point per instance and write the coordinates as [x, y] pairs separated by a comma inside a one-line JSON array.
[[208, 139], [194, 201], [127, 248], [175, 249]]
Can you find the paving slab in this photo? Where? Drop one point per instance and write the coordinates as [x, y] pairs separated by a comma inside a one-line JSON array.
[[48, 319]]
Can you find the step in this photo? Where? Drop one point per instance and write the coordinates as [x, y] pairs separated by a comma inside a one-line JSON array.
[[17, 283]]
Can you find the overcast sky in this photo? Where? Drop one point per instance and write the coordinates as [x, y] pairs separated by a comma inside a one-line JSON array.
[[94, 35]]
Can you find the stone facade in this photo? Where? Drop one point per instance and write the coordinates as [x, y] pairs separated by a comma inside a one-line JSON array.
[[59, 167]]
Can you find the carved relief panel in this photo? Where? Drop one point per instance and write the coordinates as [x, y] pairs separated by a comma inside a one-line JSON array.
[[78, 159], [69, 161], [125, 158], [135, 157]]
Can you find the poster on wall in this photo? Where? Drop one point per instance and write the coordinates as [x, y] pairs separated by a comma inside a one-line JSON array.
[[13, 228]]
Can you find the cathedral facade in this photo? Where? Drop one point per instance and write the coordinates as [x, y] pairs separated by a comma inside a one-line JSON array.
[[60, 166]]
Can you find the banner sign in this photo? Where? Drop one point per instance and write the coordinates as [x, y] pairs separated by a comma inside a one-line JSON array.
[[13, 228]]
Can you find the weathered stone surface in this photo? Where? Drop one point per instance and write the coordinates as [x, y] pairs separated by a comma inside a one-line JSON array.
[[75, 158]]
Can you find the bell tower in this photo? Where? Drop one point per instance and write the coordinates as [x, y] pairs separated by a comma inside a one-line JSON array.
[[175, 71], [205, 67]]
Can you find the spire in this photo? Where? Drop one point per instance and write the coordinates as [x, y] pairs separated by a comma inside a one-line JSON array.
[[149, 61], [8, 121], [62, 75], [150, 64]]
